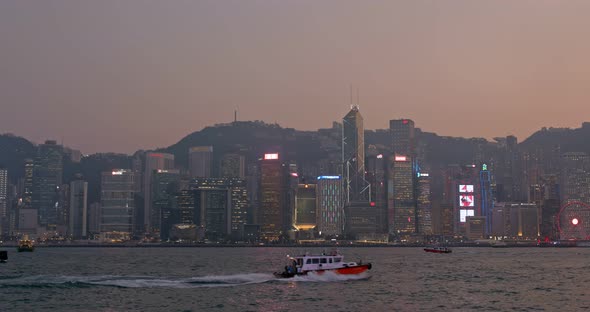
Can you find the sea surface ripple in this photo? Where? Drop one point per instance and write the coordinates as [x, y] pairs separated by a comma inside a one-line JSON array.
[[240, 279]]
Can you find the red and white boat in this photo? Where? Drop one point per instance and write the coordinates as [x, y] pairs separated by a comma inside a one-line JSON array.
[[319, 264], [438, 249]]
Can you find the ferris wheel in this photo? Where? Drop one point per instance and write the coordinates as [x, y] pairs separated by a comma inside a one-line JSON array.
[[573, 221]]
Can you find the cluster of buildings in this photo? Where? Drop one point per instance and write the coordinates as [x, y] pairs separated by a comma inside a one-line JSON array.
[[357, 191]]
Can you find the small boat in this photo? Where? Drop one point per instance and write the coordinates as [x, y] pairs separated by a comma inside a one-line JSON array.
[[438, 249], [25, 244], [319, 264]]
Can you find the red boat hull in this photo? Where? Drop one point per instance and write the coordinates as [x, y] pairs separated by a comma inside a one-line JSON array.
[[437, 251], [350, 270]]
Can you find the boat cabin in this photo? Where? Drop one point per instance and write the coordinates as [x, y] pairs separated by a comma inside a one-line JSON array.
[[321, 262]]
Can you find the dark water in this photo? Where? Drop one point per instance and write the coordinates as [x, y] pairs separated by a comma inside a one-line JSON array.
[[240, 279]]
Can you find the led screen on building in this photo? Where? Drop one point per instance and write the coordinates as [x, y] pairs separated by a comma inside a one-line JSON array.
[[464, 213], [466, 188], [466, 201]]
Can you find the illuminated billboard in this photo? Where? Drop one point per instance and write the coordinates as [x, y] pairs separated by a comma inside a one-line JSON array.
[[401, 158], [466, 188], [466, 201], [271, 156], [464, 213]]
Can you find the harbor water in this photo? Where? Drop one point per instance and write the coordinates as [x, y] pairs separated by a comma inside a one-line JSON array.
[[240, 279]]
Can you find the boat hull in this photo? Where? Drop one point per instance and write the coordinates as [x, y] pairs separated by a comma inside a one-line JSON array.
[[437, 251], [25, 249], [350, 270]]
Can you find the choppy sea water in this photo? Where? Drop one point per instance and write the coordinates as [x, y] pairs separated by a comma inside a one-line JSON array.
[[240, 279]]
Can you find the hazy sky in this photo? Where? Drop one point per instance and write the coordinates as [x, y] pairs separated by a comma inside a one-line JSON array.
[[127, 75]]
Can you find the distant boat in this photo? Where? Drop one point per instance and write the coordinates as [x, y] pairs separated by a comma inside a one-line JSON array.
[[438, 249], [3, 256], [25, 244]]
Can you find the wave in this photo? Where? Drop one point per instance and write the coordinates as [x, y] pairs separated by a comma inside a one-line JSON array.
[[41, 281], [65, 281]]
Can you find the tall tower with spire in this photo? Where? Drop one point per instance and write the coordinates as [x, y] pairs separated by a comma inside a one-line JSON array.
[[353, 157]]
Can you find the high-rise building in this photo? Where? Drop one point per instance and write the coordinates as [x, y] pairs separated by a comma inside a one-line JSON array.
[[27, 193], [165, 184], [233, 166], [515, 220], [200, 159], [402, 218], [153, 162], [181, 211], [78, 215], [220, 206], [376, 165], [330, 202], [424, 204], [270, 214], [117, 204], [575, 178], [403, 138], [305, 207], [4, 217], [47, 178], [353, 157]]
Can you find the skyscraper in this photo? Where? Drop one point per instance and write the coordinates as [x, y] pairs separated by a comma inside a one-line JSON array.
[[402, 216], [47, 177], [78, 215], [117, 204], [330, 205], [233, 166], [424, 204], [153, 162], [402, 196], [28, 184], [353, 157], [270, 214], [200, 161], [3, 201], [305, 207], [220, 206], [165, 184], [403, 138]]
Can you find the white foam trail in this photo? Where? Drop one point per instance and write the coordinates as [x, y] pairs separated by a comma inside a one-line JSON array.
[[138, 281]]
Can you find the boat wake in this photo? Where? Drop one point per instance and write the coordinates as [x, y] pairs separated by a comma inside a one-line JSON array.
[[327, 277], [47, 281]]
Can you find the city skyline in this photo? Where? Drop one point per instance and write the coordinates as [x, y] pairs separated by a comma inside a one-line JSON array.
[[117, 77]]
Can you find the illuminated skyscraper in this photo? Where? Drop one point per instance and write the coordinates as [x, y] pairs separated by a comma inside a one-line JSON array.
[[220, 206], [353, 157], [575, 178], [3, 201], [402, 197], [153, 162], [330, 204], [78, 214], [200, 161], [270, 214], [306, 207], [28, 184], [117, 204], [47, 177], [424, 204], [403, 215]]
